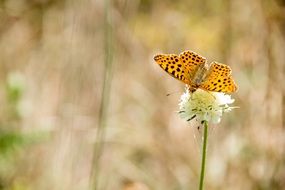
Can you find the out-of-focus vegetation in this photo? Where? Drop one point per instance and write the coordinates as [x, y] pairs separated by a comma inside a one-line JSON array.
[[52, 71]]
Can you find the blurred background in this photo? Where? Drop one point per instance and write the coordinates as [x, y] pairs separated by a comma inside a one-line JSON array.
[[56, 54]]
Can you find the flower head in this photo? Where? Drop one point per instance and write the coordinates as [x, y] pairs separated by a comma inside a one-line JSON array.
[[204, 106]]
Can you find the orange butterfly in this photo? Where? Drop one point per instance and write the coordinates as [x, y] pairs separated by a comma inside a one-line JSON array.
[[191, 68]]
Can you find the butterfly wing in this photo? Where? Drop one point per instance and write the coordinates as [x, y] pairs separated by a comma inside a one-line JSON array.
[[192, 62], [173, 66], [182, 67], [219, 79]]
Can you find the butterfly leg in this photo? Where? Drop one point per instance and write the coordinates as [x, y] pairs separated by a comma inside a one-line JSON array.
[[190, 88]]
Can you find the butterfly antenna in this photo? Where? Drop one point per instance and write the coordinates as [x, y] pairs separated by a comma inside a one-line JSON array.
[[168, 94]]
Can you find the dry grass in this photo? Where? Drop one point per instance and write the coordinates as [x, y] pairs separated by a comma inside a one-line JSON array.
[[49, 119]]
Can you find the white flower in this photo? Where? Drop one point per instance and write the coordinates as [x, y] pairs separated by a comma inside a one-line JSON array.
[[204, 106]]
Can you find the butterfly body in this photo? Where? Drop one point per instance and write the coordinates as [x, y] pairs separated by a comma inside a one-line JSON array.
[[192, 69], [200, 74]]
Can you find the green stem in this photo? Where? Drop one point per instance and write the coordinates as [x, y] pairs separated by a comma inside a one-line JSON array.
[[203, 163]]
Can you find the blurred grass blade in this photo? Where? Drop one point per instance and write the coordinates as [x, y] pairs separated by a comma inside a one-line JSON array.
[[99, 144]]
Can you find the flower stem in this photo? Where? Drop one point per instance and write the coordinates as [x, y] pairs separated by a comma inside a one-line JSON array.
[[203, 163]]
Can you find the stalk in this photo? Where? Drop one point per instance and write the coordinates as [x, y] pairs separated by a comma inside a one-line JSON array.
[[100, 136], [204, 154]]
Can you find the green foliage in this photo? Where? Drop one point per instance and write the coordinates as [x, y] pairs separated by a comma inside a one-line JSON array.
[[10, 141], [15, 87]]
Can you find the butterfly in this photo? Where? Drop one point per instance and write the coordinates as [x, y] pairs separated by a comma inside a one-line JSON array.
[[192, 69]]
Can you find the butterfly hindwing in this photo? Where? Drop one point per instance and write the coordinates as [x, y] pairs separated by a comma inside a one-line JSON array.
[[219, 79], [172, 64]]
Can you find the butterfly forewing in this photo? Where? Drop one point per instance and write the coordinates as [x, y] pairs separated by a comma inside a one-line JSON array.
[[172, 64], [182, 67], [219, 79], [191, 62]]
